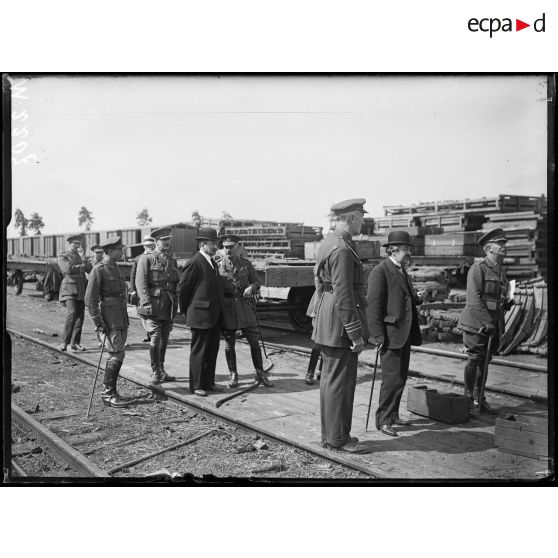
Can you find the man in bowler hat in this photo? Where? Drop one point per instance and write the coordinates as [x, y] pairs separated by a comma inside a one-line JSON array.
[[156, 280], [340, 325], [483, 315], [394, 323], [72, 292], [200, 294]]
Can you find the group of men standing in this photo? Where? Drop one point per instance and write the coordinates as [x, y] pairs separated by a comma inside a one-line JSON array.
[[215, 292], [348, 317]]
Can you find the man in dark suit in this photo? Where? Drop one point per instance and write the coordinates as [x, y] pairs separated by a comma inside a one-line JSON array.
[[200, 294], [340, 327], [394, 323]]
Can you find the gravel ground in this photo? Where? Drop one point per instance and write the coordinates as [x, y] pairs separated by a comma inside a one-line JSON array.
[[49, 382]]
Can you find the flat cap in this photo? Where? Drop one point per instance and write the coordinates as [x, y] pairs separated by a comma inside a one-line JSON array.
[[396, 238], [229, 239], [207, 233], [346, 206], [495, 235], [111, 242], [148, 240], [162, 233], [96, 248], [74, 238]]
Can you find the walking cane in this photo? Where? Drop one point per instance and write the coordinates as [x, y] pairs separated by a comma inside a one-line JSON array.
[[269, 364], [378, 351], [96, 374], [485, 371]]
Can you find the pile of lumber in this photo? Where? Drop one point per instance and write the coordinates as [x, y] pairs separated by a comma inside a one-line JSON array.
[[526, 322], [527, 245], [277, 241], [441, 324], [433, 280], [459, 243]]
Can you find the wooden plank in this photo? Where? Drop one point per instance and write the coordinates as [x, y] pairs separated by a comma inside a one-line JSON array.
[[525, 423], [522, 448], [521, 436]]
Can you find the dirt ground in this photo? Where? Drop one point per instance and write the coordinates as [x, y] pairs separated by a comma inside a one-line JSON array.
[[50, 382]]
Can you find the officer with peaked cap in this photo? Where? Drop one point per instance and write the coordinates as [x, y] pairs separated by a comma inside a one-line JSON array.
[[106, 301], [340, 325], [394, 324], [483, 315], [148, 247], [98, 254], [240, 285], [201, 300], [72, 291], [156, 281]]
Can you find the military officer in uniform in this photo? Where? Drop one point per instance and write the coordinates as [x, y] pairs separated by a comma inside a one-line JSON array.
[[240, 284], [394, 323], [148, 247], [156, 281], [105, 299], [98, 254], [72, 291], [483, 315], [340, 326]]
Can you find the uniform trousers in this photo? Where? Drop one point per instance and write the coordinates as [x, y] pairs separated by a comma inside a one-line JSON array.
[[251, 335], [75, 311], [477, 346], [337, 392], [159, 332], [395, 368], [115, 343], [204, 348]]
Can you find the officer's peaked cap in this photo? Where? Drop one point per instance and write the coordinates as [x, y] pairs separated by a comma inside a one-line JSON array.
[[229, 239], [74, 238], [112, 242], [162, 233], [495, 235], [96, 248], [148, 240], [346, 206]]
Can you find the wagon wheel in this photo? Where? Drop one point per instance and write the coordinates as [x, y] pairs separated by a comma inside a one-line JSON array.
[[300, 296], [17, 281]]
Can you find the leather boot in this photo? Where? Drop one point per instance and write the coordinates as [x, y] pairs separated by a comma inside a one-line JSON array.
[[155, 365], [230, 355], [233, 380], [470, 380], [163, 376], [314, 357], [111, 397], [261, 378], [483, 407]]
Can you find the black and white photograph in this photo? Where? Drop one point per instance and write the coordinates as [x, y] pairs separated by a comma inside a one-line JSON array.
[[278, 278]]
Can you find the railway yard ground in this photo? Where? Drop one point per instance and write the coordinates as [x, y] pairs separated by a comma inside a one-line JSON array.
[[266, 433]]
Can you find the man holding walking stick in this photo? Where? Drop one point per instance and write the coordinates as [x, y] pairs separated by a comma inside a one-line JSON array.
[[482, 319], [105, 299], [340, 325]]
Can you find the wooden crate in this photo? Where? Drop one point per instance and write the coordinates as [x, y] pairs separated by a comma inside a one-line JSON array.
[[451, 408], [453, 244], [523, 435]]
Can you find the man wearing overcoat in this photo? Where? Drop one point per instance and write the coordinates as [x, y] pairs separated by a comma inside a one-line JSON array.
[[340, 325], [156, 281], [200, 294], [72, 292], [240, 284], [394, 324], [483, 315], [105, 299]]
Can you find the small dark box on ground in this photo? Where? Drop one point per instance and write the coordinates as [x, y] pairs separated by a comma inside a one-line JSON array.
[[523, 435], [451, 408]]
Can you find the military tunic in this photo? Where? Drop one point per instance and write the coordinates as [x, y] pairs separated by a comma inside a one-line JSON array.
[[237, 274], [340, 320], [105, 299], [74, 283]]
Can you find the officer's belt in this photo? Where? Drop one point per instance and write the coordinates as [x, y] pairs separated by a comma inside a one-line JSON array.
[[113, 301], [159, 291], [358, 289]]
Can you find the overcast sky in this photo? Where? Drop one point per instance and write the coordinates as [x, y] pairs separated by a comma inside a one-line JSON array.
[[278, 148]]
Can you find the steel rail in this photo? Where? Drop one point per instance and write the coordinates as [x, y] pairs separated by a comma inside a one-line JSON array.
[[67, 453], [336, 458]]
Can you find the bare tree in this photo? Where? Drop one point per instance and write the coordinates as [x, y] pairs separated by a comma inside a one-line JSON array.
[[85, 218], [196, 218], [143, 219], [36, 223], [20, 222]]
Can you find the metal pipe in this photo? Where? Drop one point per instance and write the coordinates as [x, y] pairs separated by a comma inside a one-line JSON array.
[[159, 452]]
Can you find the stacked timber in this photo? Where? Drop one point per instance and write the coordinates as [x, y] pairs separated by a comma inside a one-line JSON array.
[[526, 322], [439, 322], [527, 245], [458, 243], [433, 280], [276, 241]]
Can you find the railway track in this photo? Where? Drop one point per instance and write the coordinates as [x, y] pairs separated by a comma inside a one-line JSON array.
[[87, 469]]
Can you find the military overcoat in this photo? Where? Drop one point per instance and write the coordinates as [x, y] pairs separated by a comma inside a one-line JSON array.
[[341, 300]]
